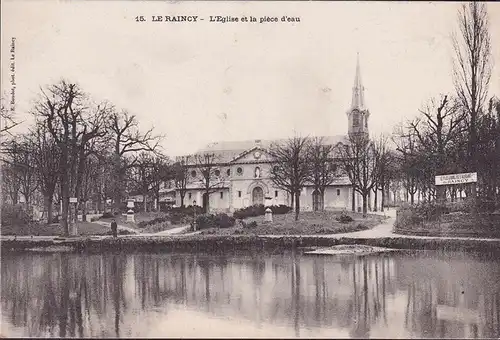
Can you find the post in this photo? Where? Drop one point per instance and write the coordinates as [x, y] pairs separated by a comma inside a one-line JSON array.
[[269, 215], [130, 211], [194, 221], [73, 201]]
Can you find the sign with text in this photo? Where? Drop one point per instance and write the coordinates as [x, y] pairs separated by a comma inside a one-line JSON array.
[[469, 177], [73, 200]]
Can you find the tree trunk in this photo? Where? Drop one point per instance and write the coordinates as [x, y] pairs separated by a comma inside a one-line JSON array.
[[375, 201], [383, 199], [99, 203], [322, 200], [365, 204], [84, 211], [297, 205], [353, 200], [182, 194], [145, 203], [293, 200], [48, 207], [65, 205]]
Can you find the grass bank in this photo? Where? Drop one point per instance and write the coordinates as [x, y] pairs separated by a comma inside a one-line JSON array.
[[243, 243], [152, 222], [435, 221], [309, 223], [55, 229]]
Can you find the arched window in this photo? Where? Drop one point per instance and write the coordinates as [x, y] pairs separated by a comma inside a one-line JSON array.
[[193, 173], [228, 172], [257, 172], [239, 171], [355, 119]]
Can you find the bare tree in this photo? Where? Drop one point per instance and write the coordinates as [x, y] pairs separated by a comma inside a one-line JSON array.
[[210, 175], [127, 140], [409, 160], [11, 183], [21, 157], [90, 180], [383, 167], [141, 175], [472, 67], [290, 170], [323, 171], [438, 131], [46, 157], [160, 173], [181, 173], [105, 173], [73, 121], [358, 159]]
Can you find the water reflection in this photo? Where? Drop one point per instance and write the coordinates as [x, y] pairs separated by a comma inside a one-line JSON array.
[[65, 295]]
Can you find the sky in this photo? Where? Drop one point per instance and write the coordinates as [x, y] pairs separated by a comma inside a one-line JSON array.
[[202, 82]]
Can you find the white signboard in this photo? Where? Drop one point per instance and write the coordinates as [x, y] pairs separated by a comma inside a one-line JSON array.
[[73, 200], [130, 204], [469, 177]]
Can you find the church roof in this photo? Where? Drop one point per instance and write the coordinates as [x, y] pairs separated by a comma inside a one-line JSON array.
[[229, 150]]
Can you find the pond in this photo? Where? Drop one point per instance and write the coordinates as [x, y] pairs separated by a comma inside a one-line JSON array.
[[401, 294]]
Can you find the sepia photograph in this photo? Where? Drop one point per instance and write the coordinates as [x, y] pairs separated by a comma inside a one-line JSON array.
[[249, 169]]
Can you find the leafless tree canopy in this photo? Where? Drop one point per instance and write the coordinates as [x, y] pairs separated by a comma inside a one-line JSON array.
[[209, 174], [323, 170], [181, 175], [472, 65], [358, 157], [127, 142], [291, 171]]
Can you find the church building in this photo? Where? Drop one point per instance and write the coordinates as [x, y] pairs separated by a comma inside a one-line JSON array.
[[242, 171]]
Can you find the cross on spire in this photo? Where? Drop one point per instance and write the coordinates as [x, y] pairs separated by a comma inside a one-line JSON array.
[[358, 96]]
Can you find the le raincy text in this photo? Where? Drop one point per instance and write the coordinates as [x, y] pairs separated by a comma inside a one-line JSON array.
[[218, 19]]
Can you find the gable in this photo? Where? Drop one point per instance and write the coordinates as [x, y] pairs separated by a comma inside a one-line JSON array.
[[255, 154]]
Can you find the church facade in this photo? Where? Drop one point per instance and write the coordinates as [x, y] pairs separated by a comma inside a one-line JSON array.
[[242, 172]]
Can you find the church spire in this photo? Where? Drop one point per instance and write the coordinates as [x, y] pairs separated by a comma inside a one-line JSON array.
[[358, 96], [358, 114]]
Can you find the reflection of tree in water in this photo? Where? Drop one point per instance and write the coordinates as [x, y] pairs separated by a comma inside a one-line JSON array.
[[70, 295], [453, 285], [62, 304]]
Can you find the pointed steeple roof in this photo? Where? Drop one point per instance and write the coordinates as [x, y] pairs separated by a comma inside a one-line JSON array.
[[358, 91]]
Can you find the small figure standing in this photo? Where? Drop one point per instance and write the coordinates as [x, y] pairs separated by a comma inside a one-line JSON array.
[[114, 228]]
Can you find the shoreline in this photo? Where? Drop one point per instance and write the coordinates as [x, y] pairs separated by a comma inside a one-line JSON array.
[[233, 244]]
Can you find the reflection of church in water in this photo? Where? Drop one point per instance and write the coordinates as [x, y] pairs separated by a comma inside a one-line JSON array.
[[244, 171]]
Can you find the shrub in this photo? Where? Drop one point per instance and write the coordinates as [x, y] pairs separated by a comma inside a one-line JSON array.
[[280, 209], [252, 224], [408, 215], [251, 211], [107, 214], [214, 221], [121, 232], [156, 220], [344, 217], [430, 211], [180, 215], [258, 210], [15, 215]]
